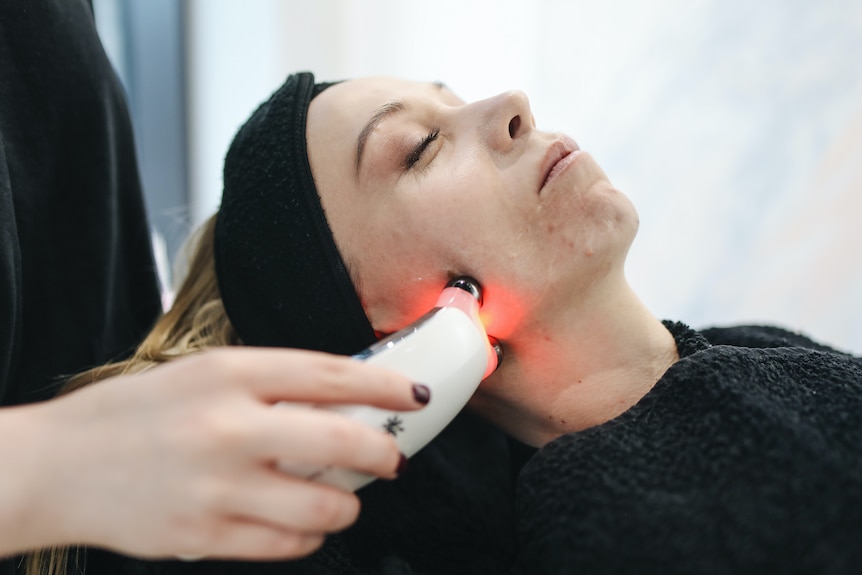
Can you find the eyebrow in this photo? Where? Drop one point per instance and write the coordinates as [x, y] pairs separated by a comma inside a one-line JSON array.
[[383, 112]]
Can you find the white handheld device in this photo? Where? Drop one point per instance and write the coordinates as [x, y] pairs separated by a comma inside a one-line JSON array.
[[448, 350]]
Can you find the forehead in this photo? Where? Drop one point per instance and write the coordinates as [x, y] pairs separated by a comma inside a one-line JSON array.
[[353, 101]]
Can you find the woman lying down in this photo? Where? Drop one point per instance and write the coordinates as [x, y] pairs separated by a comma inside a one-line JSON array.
[[634, 445]]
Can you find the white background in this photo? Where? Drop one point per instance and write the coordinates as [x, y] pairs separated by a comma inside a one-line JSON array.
[[734, 126]]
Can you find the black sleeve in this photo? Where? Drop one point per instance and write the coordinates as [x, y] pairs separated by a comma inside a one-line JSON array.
[[78, 284]]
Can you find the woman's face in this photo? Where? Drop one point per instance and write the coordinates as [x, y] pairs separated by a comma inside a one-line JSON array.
[[419, 186]]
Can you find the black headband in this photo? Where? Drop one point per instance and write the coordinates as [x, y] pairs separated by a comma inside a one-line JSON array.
[[281, 277]]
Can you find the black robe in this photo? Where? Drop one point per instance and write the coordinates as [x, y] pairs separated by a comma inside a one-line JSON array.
[[78, 286], [746, 457]]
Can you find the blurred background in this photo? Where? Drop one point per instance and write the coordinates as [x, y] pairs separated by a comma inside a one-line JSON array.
[[734, 126]]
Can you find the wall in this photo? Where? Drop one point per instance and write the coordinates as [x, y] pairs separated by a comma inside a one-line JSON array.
[[735, 127]]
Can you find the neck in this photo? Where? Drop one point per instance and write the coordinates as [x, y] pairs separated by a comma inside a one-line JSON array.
[[577, 366]]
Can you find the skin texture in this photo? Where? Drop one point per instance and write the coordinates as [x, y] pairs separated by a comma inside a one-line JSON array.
[[446, 187], [179, 460]]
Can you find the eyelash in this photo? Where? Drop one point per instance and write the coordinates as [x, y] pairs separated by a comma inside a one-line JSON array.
[[416, 154]]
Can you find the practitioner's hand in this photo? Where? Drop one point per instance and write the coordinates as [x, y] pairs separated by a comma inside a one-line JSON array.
[[179, 460]]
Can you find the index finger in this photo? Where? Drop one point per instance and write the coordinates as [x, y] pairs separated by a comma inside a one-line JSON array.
[[316, 377]]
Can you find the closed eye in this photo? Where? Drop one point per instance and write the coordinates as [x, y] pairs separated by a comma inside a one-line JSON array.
[[415, 154]]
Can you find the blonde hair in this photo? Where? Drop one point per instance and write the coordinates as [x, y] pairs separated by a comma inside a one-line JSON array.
[[196, 321]]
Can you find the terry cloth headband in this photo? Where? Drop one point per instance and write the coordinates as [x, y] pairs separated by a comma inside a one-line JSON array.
[[281, 277]]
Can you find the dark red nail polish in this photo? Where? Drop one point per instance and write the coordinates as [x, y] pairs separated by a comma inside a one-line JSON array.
[[402, 465], [421, 393]]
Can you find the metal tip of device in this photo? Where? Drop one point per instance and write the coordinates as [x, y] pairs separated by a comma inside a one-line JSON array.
[[498, 349], [467, 284]]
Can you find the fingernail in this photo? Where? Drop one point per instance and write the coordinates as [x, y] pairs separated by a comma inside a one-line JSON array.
[[402, 465], [421, 393]]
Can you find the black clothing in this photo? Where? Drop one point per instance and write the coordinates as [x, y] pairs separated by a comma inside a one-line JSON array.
[[740, 460], [77, 281]]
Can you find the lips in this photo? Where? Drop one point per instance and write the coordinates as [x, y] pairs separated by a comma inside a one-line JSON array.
[[557, 157]]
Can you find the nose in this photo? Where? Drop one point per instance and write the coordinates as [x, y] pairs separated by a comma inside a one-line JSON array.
[[507, 117]]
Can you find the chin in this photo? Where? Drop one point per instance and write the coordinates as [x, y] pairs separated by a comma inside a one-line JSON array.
[[631, 221], [620, 215]]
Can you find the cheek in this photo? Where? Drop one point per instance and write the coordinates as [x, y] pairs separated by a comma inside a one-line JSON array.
[[400, 265], [438, 223], [423, 234]]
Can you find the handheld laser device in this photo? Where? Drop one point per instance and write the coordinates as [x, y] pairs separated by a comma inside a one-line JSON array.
[[446, 349]]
